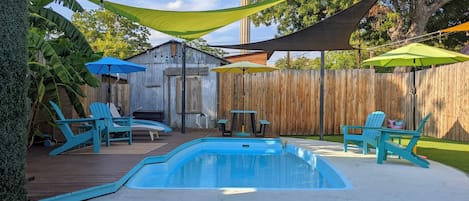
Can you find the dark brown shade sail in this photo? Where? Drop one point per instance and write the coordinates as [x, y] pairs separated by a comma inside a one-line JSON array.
[[333, 33]]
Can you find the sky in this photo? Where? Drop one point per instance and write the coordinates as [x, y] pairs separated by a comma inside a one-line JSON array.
[[224, 36]]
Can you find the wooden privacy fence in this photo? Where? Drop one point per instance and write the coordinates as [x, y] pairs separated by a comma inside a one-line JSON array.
[[120, 94], [289, 99]]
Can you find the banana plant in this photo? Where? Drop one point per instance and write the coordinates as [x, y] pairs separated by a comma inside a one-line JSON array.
[[58, 53]]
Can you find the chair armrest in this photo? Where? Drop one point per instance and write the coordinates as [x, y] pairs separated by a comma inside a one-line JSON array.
[[394, 132], [345, 128], [125, 121], [121, 118], [67, 121], [359, 127]]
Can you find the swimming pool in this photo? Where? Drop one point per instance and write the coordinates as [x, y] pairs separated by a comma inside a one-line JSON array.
[[215, 163]]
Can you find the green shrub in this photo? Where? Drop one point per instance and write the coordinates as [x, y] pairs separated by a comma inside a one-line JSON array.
[[13, 102]]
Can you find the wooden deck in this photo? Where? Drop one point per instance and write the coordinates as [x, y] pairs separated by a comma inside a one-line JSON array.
[[55, 175]]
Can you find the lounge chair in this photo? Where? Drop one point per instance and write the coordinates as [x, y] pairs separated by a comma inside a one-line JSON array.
[[369, 133], [113, 129], [388, 146], [152, 130], [116, 114], [76, 139]]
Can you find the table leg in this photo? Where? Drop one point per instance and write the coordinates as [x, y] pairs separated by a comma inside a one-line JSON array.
[[253, 123], [381, 148], [96, 137], [233, 118]]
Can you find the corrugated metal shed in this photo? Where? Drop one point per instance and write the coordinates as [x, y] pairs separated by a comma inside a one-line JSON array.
[[158, 89]]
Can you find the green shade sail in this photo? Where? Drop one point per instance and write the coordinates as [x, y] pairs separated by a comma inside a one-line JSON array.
[[416, 54], [186, 24]]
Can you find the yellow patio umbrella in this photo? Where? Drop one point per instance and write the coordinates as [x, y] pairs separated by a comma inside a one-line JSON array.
[[243, 67]]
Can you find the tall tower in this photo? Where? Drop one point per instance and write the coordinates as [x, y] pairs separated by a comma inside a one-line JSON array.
[[245, 28]]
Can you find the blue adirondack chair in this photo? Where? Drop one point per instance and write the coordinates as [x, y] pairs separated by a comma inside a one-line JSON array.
[[388, 146], [76, 139], [369, 132], [113, 129]]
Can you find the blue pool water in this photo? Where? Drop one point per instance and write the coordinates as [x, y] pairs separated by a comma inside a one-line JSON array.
[[239, 163]]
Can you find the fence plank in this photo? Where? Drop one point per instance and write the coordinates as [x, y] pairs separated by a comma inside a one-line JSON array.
[[290, 99]]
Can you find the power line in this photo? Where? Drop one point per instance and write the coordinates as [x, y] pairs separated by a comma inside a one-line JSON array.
[[421, 38]]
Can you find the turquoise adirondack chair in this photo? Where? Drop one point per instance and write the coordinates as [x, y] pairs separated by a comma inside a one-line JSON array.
[[369, 134], [76, 139], [113, 129], [386, 145]]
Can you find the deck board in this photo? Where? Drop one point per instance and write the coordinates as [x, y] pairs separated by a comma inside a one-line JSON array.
[[55, 175]]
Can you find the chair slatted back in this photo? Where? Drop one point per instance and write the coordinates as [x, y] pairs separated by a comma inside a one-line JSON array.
[[375, 119], [413, 141], [67, 131], [101, 111]]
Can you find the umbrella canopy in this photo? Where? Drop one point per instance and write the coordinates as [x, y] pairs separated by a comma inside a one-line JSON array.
[[416, 54], [110, 65], [244, 67]]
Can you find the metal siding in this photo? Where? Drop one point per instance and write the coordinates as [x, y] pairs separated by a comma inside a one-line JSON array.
[[156, 98]]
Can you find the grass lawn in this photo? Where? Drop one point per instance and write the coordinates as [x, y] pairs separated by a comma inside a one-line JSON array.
[[452, 153]]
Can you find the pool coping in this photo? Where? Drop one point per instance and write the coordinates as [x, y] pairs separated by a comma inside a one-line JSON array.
[[335, 179], [115, 186], [395, 180]]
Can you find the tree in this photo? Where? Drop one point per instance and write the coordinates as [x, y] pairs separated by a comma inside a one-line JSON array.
[[57, 56], [389, 20], [294, 15], [340, 59], [14, 104], [453, 13], [202, 44], [408, 17], [112, 34], [411, 16], [302, 63]]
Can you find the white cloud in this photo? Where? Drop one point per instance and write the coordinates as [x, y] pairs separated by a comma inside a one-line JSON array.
[[179, 5], [197, 5], [175, 5]]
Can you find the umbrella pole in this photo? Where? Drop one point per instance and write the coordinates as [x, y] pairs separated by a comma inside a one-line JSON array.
[[109, 86], [413, 94], [321, 98], [244, 94], [414, 98], [183, 97]]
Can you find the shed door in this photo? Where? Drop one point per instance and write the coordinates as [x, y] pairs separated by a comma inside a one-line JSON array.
[[193, 95]]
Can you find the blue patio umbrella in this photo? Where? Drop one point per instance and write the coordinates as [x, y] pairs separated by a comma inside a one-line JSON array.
[[110, 65]]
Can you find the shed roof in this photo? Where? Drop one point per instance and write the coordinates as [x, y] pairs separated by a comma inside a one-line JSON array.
[[224, 61]]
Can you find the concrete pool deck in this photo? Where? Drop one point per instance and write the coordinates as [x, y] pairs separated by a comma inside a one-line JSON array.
[[396, 180]]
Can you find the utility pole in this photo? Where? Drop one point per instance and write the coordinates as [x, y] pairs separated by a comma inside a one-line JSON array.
[[245, 28]]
